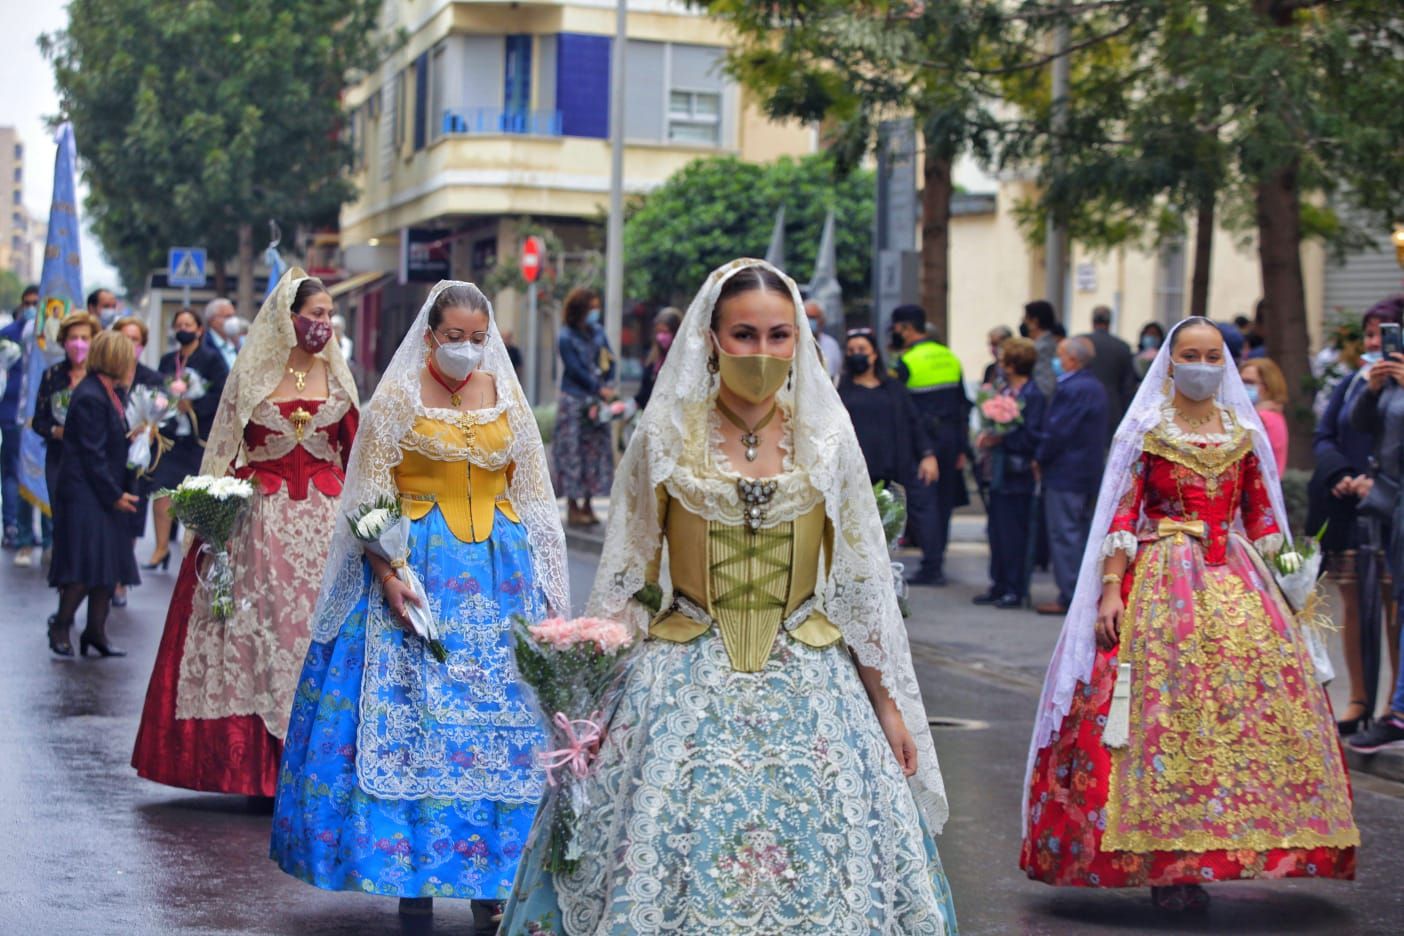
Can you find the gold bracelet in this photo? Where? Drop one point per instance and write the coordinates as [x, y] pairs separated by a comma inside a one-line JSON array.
[[385, 578], [1111, 578]]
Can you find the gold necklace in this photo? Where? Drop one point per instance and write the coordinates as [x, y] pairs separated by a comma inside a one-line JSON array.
[[1194, 422], [749, 434], [300, 377]]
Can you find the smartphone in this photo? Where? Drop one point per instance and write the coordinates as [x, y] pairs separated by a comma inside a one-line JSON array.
[[1391, 341]]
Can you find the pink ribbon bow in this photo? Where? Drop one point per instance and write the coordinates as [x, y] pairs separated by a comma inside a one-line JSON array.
[[575, 756]]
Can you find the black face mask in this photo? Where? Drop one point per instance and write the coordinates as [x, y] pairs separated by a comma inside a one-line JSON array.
[[186, 337], [1023, 329], [858, 364], [898, 341]]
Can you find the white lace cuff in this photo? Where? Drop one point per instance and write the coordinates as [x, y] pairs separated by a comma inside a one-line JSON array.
[[1269, 545], [1120, 541]]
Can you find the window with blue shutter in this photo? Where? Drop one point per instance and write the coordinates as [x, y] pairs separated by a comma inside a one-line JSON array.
[[582, 84]]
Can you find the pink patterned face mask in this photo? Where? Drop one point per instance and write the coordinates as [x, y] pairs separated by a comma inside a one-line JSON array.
[[77, 350], [312, 334]]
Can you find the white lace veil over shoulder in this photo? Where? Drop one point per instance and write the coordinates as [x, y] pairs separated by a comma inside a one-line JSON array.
[[1076, 649], [259, 368], [858, 592], [370, 472]]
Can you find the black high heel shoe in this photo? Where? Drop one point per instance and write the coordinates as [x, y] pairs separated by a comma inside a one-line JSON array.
[[1346, 727], [103, 648], [163, 563], [60, 647]]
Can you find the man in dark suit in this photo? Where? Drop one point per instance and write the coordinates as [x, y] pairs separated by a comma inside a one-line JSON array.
[[1114, 366], [1071, 458]]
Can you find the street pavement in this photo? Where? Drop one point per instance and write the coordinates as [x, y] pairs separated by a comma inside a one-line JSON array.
[[94, 849]]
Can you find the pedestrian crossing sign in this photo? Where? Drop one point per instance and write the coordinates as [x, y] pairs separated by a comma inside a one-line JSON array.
[[185, 266]]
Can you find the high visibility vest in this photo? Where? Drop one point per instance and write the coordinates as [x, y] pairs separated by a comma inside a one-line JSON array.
[[931, 366]]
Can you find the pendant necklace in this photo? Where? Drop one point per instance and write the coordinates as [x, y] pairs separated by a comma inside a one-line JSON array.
[[749, 435], [300, 377], [455, 397], [1195, 422]]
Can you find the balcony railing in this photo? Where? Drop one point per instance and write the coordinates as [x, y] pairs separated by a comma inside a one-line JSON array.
[[496, 120]]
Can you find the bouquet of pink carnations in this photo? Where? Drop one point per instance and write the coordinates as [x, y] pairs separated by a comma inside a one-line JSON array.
[[574, 668], [999, 412], [187, 387], [616, 411]]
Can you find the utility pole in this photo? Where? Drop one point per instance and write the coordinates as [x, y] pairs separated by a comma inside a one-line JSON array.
[[614, 239], [1056, 237]]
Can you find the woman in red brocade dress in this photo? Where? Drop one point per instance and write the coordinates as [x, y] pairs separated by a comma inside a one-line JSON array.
[[1183, 737], [217, 706]]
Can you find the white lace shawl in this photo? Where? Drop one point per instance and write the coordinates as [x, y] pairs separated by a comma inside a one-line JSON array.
[[857, 594], [1076, 649], [370, 473]]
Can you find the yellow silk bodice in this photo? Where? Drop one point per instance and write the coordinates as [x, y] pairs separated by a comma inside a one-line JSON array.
[[460, 461], [748, 584]]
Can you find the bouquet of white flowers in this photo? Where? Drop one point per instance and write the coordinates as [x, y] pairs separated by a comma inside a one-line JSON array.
[[148, 409], [58, 402], [211, 507], [384, 531], [1297, 572], [10, 353], [187, 386]]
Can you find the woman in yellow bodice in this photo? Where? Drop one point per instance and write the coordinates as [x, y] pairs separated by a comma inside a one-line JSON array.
[[405, 775], [768, 767]]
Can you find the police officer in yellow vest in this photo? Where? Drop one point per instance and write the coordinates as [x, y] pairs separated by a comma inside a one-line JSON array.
[[933, 375]]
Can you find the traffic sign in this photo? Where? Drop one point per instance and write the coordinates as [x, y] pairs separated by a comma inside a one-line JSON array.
[[185, 266], [531, 259]]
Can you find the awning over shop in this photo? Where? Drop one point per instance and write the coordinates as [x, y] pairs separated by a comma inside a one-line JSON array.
[[352, 283]]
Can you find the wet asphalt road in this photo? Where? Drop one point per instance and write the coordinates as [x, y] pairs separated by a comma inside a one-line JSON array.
[[91, 848]]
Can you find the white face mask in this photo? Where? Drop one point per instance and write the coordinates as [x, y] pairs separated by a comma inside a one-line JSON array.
[[459, 359], [1198, 381]]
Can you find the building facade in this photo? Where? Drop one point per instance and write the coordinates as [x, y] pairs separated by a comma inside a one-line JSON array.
[[490, 113], [17, 229]]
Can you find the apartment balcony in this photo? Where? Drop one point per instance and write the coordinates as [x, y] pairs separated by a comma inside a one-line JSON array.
[[481, 121]]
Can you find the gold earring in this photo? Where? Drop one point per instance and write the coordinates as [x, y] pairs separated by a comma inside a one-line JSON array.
[[713, 365]]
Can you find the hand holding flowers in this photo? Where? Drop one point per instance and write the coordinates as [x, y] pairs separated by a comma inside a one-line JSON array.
[[384, 532], [211, 507], [148, 409]]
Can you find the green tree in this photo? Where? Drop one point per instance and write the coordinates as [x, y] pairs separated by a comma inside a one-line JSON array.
[[197, 120], [10, 289], [849, 64], [1280, 115], [719, 208]]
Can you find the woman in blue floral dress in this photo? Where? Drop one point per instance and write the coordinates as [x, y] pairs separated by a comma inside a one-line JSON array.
[[404, 775], [768, 766]]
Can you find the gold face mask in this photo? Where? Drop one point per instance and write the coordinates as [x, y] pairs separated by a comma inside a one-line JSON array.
[[755, 378]]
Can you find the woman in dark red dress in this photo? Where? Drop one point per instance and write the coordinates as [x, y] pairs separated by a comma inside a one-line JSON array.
[[1183, 737], [217, 707]]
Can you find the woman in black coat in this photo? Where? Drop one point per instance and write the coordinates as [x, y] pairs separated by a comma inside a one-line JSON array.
[[92, 536], [191, 362], [894, 440], [1011, 478], [75, 336]]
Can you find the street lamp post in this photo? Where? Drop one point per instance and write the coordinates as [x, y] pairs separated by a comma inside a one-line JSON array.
[[614, 239]]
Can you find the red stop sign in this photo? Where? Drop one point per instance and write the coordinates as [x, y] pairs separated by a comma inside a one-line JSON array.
[[531, 259]]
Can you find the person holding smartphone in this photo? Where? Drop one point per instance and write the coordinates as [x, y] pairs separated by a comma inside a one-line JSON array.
[[1380, 412]]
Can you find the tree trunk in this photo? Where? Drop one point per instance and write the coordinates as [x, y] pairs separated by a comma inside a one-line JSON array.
[[936, 240], [1279, 251], [221, 277], [1203, 253], [245, 303]]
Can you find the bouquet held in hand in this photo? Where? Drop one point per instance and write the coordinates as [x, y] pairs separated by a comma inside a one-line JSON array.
[[187, 387], [892, 509], [148, 409], [211, 507], [384, 531], [999, 412], [573, 668], [58, 402], [1297, 571], [10, 353]]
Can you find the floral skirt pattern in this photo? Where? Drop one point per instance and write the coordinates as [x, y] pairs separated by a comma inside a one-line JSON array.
[[584, 461], [330, 832], [1232, 768], [742, 803]]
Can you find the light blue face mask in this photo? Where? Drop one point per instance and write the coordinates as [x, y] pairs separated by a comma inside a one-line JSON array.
[[1372, 357], [1252, 393], [593, 318], [1058, 369], [814, 326]]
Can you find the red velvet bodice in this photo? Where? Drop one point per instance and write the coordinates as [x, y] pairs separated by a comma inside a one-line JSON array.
[[277, 457]]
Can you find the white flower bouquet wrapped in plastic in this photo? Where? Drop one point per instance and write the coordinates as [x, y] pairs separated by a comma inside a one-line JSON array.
[[10, 353], [211, 508], [1297, 572], [384, 531], [187, 386], [148, 409]]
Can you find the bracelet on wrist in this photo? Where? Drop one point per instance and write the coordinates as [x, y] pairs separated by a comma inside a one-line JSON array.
[[385, 578], [1111, 578]]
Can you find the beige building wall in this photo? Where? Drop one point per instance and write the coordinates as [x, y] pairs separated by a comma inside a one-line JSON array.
[[16, 237], [995, 270]]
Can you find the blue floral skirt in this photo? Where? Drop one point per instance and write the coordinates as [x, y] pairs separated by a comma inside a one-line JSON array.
[[735, 804], [408, 777]]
